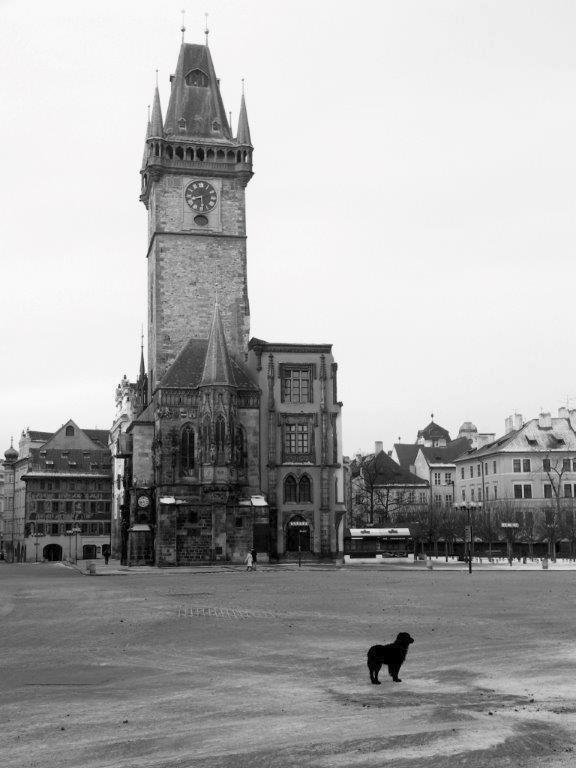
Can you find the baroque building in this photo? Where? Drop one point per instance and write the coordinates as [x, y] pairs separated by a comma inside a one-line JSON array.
[[232, 443]]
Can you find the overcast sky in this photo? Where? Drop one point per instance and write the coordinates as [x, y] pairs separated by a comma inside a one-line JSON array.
[[413, 200]]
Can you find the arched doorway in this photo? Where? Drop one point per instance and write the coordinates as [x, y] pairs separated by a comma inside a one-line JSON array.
[[297, 534], [52, 552], [89, 552]]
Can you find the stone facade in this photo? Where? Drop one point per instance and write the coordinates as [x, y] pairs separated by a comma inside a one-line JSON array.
[[61, 496], [208, 451]]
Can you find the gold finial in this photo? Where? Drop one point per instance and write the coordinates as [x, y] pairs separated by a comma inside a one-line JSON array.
[[142, 336], [183, 27], [206, 30], [148, 112], [156, 71], [242, 86]]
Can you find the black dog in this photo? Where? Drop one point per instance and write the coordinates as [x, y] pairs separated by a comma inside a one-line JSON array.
[[392, 655]]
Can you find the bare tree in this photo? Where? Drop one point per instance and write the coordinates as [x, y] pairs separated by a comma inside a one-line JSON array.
[[554, 468], [376, 501]]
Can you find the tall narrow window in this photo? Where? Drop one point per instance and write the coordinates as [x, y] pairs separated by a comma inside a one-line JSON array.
[[290, 489], [240, 447], [220, 438], [187, 449], [305, 489], [69, 431]]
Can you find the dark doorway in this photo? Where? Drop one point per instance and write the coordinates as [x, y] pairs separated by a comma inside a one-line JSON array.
[[297, 535], [52, 553], [89, 552]]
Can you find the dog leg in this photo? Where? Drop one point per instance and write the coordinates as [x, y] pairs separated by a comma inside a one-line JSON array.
[[393, 670]]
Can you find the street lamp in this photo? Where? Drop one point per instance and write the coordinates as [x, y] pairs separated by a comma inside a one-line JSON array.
[[468, 539]]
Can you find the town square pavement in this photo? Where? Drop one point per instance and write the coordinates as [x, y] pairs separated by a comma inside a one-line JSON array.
[[223, 668]]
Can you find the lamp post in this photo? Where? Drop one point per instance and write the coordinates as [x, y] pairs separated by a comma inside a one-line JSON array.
[[467, 507]]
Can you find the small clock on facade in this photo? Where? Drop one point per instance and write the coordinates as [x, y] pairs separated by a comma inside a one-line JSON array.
[[201, 196], [143, 501]]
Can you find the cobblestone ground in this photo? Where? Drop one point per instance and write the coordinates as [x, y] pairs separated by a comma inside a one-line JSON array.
[[267, 669]]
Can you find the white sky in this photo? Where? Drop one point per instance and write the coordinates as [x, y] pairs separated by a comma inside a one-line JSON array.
[[413, 200]]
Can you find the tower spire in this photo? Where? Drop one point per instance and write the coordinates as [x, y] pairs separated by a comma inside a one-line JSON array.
[[206, 30], [156, 124], [183, 27], [243, 134], [142, 367], [217, 366]]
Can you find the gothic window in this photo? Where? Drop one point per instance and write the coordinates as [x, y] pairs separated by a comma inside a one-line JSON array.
[[220, 438], [296, 383], [290, 489], [197, 78], [187, 449], [305, 489], [69, 431]]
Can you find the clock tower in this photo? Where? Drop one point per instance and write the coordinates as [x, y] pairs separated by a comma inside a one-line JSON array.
[[194, 175]]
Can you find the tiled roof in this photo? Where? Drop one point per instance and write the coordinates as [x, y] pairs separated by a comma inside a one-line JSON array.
[[37, 436], [98, 435], [188, 368], [199, 106], [217, 368], [388, 472], [447, 453], [433, 432], [531, 438], [406, 453]]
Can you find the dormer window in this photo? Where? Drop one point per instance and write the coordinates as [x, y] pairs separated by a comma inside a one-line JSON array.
[[197, 78], [69, 431], [216, 126], [182, 124]]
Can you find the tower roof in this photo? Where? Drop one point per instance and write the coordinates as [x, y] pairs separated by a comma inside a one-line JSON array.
[[196, 109], [243, 136], [156, 128], [217, 368]]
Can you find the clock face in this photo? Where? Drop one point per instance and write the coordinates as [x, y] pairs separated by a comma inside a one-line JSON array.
[[143, 501], [201, 196]]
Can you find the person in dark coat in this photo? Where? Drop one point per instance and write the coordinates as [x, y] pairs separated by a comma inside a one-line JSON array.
[[254, 559]]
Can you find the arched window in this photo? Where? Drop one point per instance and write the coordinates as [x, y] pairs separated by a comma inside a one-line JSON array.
[[240, 447], [187, 448], [305, 489], [69, 431], [290, 489], [198, 78]]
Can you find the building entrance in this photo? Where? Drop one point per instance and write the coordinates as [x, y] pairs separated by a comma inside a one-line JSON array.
[[52, 553], [297, 535]]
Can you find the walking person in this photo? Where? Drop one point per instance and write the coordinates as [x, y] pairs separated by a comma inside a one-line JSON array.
[[249, 560], [106, 553], [254, 559]]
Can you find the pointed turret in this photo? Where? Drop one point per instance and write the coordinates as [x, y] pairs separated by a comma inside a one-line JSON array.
[[243, 136], [196, 109], [156, 125], [217, 367], [148, 134]]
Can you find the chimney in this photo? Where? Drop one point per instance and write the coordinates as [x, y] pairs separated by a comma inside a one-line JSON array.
[[378, 447], [563, 413], [508, 425], [545, 421]]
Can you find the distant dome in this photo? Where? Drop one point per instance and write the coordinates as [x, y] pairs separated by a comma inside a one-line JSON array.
[[468, 427], [11, 454]]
